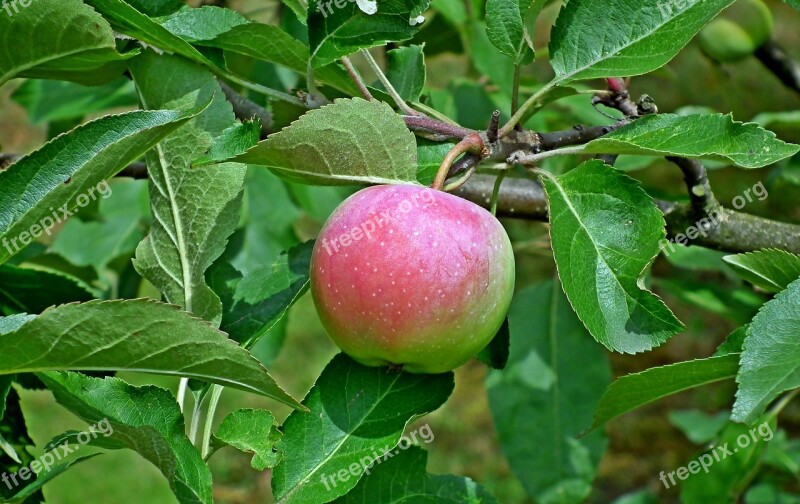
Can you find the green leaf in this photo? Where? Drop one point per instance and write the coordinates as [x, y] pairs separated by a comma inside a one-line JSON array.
[[130, 21], [319, 202], [403, 480], [205, 23], [53, 35], [124, 219], [732, 474], [489, 61], [15, 444], [299, 8], [635, 390], [495, 355], [351, 141], [587, 41], [738, 304], [772, 270], [794, 3], [24, 290], [135, 335], [734, 342], [699, 426], [605, 232], [126, 19], [44, 187], [269, 217], [255, 303], [29, 493], [228, 30], [769, 363], [547, 97], [157, 7], [5, 388], [453, 10], [195, 210], [89, 68], [14, 322], [357, 414], [782, 119], [270, 43], [235, 140], [52, 100], [337, 32], [12, 399], [744, 144], [405, 69], [144, 419], [506, 26], [546, 395], [252, 431], [429, 157]]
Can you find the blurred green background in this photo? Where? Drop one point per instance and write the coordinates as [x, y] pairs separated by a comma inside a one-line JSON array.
[[642, 443]]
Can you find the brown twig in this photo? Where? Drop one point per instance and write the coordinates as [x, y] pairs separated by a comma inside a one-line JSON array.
[[577, 135], [436, 130], [780, 63], [245, 109], [362, 86], [734, 232], [700, 195], [617, 98]]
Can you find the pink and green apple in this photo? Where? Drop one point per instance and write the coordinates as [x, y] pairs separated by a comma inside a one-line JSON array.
[[408, 276]]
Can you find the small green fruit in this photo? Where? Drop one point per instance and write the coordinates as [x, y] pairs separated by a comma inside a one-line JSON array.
[[726, 42], [737, 32]]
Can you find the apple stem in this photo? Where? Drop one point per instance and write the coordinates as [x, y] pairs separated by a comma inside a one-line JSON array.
[[472, 143]]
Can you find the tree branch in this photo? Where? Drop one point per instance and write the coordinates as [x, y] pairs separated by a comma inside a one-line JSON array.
[[781, 64], [735, 232], [245, 109], [526, 199], [436, 130], [577, 135], [700, 195]]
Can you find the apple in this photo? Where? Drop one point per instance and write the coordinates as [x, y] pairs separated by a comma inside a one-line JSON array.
[[737, 32], [412, 277]]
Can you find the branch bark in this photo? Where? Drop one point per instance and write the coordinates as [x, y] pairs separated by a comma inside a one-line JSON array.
[[245, 109], [526, 199], [735, 232], [781, 64], [700, 194]]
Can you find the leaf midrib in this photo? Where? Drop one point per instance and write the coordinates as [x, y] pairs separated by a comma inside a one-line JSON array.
[[583, 227], [188, 293], [347, 436], [561, 79]]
